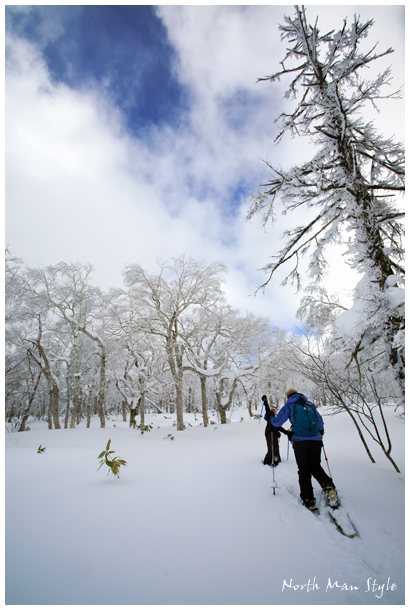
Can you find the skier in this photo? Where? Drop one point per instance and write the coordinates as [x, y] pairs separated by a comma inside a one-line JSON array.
[[306, 434], [272, 436]]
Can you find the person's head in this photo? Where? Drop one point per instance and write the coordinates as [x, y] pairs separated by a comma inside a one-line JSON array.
[[290, 392]]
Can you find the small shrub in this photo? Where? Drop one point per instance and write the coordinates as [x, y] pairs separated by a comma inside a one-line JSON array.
[[41, 449], [113, 463], [144, 428]]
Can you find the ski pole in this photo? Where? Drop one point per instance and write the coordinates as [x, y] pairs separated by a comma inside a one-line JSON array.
[[288, 450], [327, 461], [273, 466], [260, 416]]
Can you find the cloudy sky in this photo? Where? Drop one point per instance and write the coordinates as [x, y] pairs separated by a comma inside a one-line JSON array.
[[137, 133]]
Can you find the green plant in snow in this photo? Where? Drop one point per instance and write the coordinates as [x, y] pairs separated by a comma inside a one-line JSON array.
[[144, 428], [41, 449], [113, 463]]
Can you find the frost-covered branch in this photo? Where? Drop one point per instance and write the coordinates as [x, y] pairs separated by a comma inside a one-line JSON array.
[[353, 178]]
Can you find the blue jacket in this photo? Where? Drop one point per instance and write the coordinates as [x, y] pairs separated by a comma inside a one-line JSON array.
[[286, 413]]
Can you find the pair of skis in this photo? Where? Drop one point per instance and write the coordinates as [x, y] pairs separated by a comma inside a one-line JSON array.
[[340, 518], [337, 515]]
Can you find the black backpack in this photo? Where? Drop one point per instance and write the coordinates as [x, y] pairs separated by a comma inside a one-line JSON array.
[[305, 420]]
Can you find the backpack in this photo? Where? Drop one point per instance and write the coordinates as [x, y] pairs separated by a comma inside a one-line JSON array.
[[305, 421]]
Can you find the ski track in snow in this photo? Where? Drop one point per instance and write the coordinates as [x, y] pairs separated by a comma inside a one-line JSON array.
[[195, 520]]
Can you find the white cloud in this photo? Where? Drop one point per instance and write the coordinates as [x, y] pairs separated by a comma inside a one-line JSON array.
[[218, 45]]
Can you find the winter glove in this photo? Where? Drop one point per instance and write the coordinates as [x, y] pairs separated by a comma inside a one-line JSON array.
[[267, 407], [322, 432]]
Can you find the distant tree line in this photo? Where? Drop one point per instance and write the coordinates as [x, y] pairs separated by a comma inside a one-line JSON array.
[[166, 341], [169, 342]]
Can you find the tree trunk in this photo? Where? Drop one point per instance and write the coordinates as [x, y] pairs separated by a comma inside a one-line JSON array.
[[54, 406], [133, 417], [102, 394], [179, 403], [175, 364], [79, 411], [68, 399], [223, 409], [44, 364], [11, 413], [22, 427], [29, 404], [395, 354], [222, 414], [76, 399], [189, 401], [142, 410], [88, 403], [204, 403], [382, 269]]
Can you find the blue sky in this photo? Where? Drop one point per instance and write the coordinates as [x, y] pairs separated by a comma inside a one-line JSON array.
[[136, 133], [122, 49]]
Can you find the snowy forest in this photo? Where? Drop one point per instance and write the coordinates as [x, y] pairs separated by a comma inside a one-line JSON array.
[[165, 357], [169, 341]]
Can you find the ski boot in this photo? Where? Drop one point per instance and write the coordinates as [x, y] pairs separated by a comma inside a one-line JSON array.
[[331, 497], [311, 505]]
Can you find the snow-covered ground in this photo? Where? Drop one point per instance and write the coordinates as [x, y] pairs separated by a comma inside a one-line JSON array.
[[194, 521]]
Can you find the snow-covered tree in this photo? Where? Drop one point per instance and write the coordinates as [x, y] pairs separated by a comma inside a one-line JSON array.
[[65, 289], [134, 354], [246, 339], [361, 391], [348, 190], [319, 310], [225, 348], [206, 347], [30, 331], [167, 299]]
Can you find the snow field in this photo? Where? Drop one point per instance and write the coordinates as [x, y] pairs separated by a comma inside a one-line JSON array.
[[194, 520]]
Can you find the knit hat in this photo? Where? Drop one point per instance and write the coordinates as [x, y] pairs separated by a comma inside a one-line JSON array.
[[290, 392]]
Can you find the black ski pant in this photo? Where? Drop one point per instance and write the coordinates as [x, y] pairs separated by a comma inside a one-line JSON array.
[[307, 454], [276, 454]]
